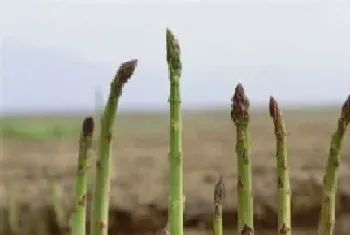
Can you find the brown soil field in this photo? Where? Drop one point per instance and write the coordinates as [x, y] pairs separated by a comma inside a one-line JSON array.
[[139, 186]]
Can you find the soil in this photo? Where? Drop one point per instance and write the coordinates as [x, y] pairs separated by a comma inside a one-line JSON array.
[[139, 186]]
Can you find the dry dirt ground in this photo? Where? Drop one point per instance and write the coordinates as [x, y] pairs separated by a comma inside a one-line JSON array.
[[139, 187]]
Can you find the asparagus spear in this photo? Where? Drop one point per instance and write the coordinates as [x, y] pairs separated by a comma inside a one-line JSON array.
[[240, 116], [100, 203], [219, 196], [175, 154], [79, 215], [326, 225], [283, 188]]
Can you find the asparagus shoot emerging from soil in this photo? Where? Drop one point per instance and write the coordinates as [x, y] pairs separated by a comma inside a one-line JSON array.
[[78, 224], [283, 188], [175, 154], [240, 117], [219, 196], [100, 203], [327, 220]]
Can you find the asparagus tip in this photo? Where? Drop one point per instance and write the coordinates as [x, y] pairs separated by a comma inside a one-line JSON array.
[[172, 50], [346, 110], [88, 126], [125, 71], [273, 108], [240, 104], [219, 191]]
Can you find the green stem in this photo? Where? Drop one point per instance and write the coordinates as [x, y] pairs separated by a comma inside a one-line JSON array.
[[100, 202], [78, 225], [217, 223], [175, 155], [283, 188], [326, 225], [219, 196], [240, 117]]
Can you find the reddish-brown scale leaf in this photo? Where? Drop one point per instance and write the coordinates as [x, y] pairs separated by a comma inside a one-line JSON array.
[[219, 191], [125, 71], [273, 108], [88, 126], [240, 183], [240, 104], [98, 164], [108, 137], [279, 183], [80, 168], [101, 225]]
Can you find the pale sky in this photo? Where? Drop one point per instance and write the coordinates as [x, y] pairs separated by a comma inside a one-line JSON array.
[[299, 52]]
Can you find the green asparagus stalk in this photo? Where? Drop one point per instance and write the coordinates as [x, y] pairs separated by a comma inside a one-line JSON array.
[[240, 117], [100, 201], [283, 188], [78, 225], [175, 154], [327, 220], [219, 196]]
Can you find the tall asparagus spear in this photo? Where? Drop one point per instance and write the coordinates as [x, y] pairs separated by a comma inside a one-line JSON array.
[[78, 224], [283, 188], [327, 220], [219, 196], [100, 203], [240, 117], [175, 154]]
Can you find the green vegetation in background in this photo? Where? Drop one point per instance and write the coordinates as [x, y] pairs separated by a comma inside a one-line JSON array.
[[54, 128]]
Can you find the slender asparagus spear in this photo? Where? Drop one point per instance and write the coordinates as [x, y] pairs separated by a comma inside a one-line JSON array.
[[240, 117], [100, 203], [219, 196], [326, 225], [175, 154], [78, 224], [283, 188]]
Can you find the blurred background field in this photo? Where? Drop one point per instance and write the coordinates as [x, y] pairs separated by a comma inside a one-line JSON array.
[[40, 152]]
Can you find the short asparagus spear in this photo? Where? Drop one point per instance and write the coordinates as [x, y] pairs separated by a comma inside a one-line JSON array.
[[219, 196], [175, 154], [78, 223], [283, 188], [100, 203], [327, 220], [240, 117]]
